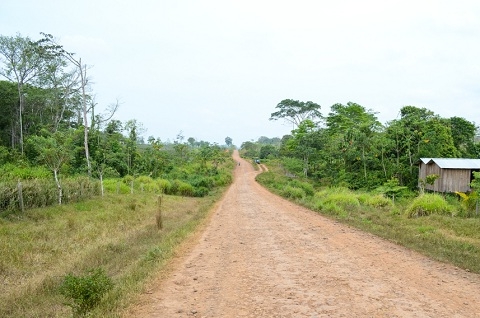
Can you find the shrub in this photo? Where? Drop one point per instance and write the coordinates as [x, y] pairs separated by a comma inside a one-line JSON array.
[[468, 203], [185, 189], [293, 193], [202, 182], [115, 185], [12, 172], [375, 200], [128, 179], [180, 187], [223, 179], [147, 184], [164, 185], [200, 192], [333, 208], [427, 204], [307, 187], [342, 197], [85, 292], [79, 188]]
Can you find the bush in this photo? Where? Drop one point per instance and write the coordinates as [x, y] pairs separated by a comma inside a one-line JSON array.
[[202, 182], [200, 192], [223, 179], [427, 204], [115, 185], [185, 189], [147, 184], [375, 200], [340, 196], [293, 193], [164, 185], [85, 292], [79, 188], [307, 187], [12, 172]]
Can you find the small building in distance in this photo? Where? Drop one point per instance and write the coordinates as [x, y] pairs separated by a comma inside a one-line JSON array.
[[455, 174]]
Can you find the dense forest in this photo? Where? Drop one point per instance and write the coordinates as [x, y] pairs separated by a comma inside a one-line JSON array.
[[51, 129], [350, 147]]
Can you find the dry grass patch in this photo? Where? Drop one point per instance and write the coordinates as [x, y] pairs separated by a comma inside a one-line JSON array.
[[118, 233]]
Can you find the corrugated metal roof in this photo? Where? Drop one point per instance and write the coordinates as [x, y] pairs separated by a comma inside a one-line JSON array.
[[453, 163]]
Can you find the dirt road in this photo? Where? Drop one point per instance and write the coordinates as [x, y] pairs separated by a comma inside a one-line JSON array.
[[262, 256]]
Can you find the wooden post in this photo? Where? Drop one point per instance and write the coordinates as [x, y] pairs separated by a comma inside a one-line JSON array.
[[20, 196], [159, 213]]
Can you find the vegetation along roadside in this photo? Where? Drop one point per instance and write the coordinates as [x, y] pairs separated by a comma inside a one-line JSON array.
[[440, 231]]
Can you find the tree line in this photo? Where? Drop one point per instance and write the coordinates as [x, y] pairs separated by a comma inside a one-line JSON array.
[[49, 119], [350, 147]]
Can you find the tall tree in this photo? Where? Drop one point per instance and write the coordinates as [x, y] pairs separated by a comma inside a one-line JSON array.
[[228, 141], [355, 127], [463, 133], [54, 151], [295, 112], [301, 143], [22, 65], [8, 105], [50, 47]]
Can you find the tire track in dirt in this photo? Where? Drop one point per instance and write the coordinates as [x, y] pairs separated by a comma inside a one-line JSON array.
[[262, 256]]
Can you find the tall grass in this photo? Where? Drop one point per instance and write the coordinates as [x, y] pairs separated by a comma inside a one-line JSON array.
[[118, 233]]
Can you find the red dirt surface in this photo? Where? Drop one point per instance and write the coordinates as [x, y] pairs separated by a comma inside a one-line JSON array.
[[263, 256]]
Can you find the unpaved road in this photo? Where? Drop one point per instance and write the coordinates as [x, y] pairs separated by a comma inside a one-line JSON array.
[[262, 256]]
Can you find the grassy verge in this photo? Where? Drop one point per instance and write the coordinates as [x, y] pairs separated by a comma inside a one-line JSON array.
[[441, 236], [117, 233]]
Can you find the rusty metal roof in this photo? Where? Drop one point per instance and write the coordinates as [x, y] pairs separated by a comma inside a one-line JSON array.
[[453, 163]]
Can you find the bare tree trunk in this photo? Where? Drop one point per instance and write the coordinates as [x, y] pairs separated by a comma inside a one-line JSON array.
[[20, 114], [101, 183], [85, 121], [59, 187]]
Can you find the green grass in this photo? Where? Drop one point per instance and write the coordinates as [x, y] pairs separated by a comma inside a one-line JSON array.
[[117, 233], [428, 224]]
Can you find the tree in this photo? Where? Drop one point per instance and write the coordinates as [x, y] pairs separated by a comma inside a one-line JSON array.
[[295, 112], [228, 141], [463, 134], [301, 142], [49, 47], [8, 105], [268, 150], [355, 128], [133, 128], [22, 65], [418, 133], [250, 149], [53, 150], [191, 141]]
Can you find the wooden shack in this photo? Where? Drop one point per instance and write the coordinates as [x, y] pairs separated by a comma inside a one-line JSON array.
[[455, 174]]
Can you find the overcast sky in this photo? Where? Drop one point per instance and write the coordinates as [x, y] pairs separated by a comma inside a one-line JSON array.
[[218, 68]]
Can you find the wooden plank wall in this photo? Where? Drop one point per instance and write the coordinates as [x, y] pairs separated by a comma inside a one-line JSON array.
[[450, 180]]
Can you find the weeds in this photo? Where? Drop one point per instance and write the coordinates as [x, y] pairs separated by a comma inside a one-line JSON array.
[[85, 292], [46, 244]]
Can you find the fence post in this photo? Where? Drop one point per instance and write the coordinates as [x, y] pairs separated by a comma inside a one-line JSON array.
[[159, 213], [20, 196]]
